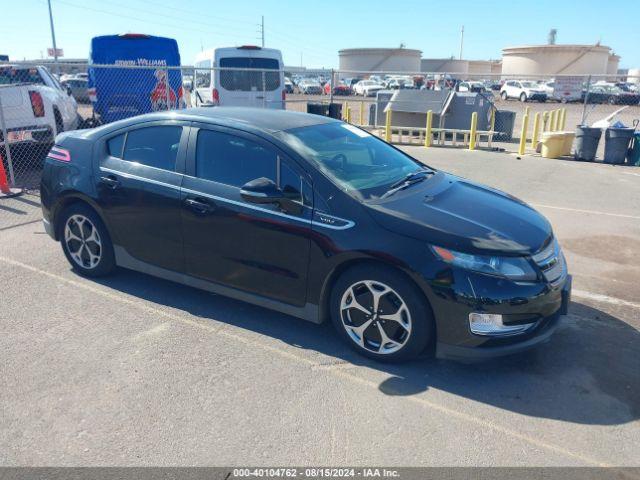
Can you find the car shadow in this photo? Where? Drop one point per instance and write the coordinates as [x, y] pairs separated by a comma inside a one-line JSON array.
[[589, 372]]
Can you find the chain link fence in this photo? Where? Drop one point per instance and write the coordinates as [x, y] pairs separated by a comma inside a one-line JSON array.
[[431, 109]]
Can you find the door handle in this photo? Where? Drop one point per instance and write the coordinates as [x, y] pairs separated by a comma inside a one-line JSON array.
[[199, 206], [110, 181]]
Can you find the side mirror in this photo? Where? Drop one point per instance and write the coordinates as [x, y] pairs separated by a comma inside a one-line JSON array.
[[264, 191], [68, 89]]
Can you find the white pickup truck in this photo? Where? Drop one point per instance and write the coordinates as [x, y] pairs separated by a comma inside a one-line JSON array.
[[35, 107]]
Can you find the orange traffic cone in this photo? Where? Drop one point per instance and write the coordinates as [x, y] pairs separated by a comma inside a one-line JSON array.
[[4, 184]]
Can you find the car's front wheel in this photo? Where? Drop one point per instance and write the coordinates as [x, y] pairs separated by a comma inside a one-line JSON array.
[[523, 97], [503, 95], [381, 314], [86, 242]]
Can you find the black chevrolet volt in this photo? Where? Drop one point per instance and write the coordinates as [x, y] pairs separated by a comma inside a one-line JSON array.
[[314, 218]]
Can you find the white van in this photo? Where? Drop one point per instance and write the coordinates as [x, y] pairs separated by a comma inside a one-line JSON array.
[[246, 76]]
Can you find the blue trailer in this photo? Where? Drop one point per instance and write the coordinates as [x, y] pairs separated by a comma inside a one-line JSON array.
[[131, 74]]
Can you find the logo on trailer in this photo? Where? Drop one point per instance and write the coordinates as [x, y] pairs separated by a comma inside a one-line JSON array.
[[160, 98]]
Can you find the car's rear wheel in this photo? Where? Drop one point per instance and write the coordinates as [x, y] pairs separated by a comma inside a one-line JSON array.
[[59, 123], [86, 242], [381, 314]]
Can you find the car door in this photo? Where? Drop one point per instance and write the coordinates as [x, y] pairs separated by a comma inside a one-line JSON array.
[[259, 249], [138, 180]]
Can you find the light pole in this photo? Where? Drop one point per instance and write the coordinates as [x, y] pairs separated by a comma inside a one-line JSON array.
[[53, 39]]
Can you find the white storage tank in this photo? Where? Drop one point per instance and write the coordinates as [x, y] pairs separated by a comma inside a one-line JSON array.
[[445, 65], [633, 76], [380, 60], [557, 59]]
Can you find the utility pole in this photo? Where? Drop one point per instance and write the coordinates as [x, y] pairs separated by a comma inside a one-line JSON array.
[[461, 40], [262, 30], [53, 39]]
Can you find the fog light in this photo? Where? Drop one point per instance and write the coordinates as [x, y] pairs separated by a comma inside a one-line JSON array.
[[491, 324]]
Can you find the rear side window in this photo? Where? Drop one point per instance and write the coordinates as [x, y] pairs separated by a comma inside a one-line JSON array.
[[153, 146], [115, 145], [11, 75], [265, 78], [232, 160]]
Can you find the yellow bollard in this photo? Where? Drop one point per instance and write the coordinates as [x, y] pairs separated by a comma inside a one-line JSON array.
[[362, 113], [387, 127], [474, 129], [427, 134], [545, 120], [553, 120], [493, 119], [558, 120], [527, 110], [536, 130], [564, 119], [348, 115], [345, 107], [523, 135]]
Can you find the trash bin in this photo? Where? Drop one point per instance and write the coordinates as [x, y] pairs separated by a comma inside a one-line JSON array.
[[568, 138], [552, 144], [335, 110], [587, 139], [503, 124], [633, 158], [616, 144], [317, 109]]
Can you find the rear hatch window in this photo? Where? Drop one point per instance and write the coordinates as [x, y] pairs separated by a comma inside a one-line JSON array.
[[10, 75], [248, 81]]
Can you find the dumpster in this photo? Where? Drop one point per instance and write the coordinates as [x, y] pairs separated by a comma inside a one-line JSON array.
[[553, 144], [317, 109], [335, 111], [504, 121], [616, 144], [587, 139], [633, 158]]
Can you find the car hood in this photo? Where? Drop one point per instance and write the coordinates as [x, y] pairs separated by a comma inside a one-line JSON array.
[[449, 211]]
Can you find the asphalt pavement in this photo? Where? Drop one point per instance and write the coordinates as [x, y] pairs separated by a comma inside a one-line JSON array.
[[133, 370]]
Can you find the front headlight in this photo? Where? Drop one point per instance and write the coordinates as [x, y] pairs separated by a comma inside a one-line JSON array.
[[513, 268]]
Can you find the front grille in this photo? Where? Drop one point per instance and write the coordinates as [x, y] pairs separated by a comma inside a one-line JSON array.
[[552, 263]]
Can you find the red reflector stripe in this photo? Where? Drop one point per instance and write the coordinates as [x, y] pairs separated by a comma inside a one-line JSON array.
[[59, 154]]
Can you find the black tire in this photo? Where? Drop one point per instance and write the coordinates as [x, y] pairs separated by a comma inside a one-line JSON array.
[[106, 263], [523, 97], [59, 122], [421, 334]]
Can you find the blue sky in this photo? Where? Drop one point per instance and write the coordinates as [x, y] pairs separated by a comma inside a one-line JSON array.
[[318, 29]]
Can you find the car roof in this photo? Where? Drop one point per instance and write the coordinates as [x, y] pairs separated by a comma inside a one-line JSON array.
[[244, 118]]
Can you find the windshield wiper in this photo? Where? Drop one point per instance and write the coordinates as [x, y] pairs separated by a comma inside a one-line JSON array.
[[407, 181]]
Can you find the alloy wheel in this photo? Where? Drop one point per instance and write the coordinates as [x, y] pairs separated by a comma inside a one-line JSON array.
[[83, 242], [375, 317]]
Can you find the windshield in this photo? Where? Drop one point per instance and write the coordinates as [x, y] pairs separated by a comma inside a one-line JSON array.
[[353, 159], [528, 84]]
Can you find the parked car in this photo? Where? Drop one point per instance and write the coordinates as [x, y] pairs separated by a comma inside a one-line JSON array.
[[339, 89], [288, 85], [312, 217], [367, 88], [476, 87], [224, 77], [522, 90], [35, 106], [611, 94], [310, 87], [78, 88]]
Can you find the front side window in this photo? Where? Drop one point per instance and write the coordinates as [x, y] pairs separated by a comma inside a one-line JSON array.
[[233, 160], [153, 146], [266, 69], [353, 159]]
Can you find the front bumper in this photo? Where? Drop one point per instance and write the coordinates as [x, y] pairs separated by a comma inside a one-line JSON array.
[[541, 304]]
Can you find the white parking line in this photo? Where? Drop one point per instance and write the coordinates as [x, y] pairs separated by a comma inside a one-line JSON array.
[[604, 298], [347, 374], [592, 212]]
